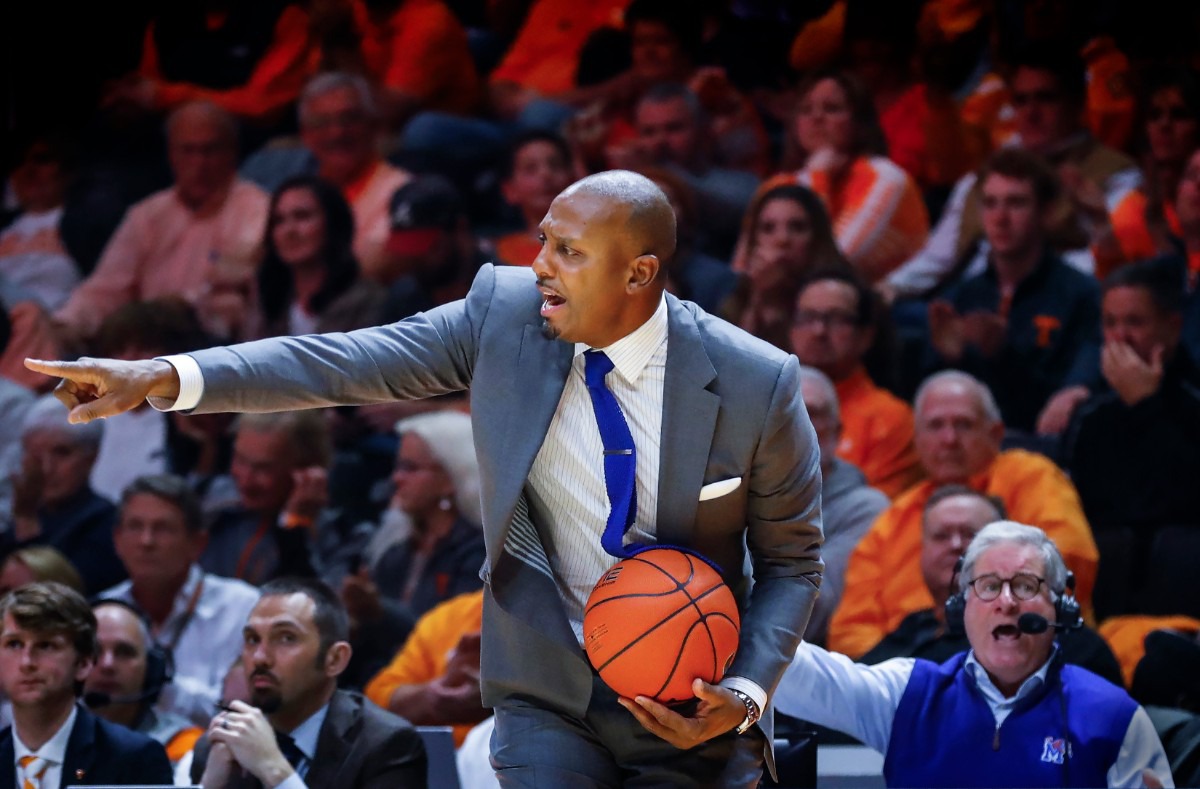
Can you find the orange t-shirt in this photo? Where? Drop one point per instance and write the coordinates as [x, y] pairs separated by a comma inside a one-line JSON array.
[[877, 434], [275, 83], [1126, 636], [545, 54], [421, 50], [1132, 233], [883, 578], [425, 654]]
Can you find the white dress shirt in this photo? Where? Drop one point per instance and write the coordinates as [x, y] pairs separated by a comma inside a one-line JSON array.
[[207, 646], [305, 736], [831, 689], [53, 752]]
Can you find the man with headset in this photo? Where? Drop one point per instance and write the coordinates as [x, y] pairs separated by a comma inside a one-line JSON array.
[[1006, 712], [130, 673]]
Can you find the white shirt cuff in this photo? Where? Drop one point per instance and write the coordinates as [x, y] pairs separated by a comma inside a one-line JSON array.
[[191, 385], [293, 781], [750, 688]]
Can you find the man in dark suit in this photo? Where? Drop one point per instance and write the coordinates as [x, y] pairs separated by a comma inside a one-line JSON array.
[[722, 460], [299, 729], [47, 648]]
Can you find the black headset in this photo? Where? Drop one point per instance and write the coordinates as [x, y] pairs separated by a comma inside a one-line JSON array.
[[1067, 612], [160, 663]]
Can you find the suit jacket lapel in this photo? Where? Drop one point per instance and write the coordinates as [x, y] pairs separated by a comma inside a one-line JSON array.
[[80, 749], [689, 421], [333, 744], [8, 773], [537, 383]]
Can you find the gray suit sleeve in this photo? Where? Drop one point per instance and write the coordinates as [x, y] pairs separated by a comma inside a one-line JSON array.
[[783, 536], [429, 354]]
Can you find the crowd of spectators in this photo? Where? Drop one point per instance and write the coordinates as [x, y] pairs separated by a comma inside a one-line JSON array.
[[977, 224]]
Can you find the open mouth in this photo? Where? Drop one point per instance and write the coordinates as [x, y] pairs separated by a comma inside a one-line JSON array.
[[551, 302], [1006, 633]]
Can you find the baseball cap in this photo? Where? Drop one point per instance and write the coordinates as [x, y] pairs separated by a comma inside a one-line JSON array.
[[420, 212]]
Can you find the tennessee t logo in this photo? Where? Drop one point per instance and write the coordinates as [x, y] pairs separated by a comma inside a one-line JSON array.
[[1045, 324]]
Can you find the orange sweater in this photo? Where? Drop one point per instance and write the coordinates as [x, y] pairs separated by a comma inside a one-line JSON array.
[[877, 434], [424, 655], [883, 578]]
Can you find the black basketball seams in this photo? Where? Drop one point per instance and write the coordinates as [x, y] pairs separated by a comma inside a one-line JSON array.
[[691, 603]]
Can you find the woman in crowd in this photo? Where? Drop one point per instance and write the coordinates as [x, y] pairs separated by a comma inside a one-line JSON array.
[[879, 217], [429, 546], [309, 280], [1144, 223], [787, 234]]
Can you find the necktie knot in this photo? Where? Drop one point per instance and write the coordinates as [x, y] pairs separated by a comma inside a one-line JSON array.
[[34, 769], [596, 365]]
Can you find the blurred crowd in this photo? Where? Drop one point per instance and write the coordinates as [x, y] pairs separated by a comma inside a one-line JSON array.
[[975, 222]]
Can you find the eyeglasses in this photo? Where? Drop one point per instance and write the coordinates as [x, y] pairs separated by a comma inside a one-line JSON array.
[[831, 320], [1022, 585]]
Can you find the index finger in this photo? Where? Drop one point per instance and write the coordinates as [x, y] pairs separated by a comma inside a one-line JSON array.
[[55, 369]]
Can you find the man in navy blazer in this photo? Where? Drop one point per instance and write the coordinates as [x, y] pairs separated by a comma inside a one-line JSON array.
[[47, 648], [726, 464]]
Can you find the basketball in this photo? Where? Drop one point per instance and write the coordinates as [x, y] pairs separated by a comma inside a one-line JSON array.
[[656, 621]]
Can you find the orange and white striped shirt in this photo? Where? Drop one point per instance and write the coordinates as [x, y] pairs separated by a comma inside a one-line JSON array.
[[879, 217]]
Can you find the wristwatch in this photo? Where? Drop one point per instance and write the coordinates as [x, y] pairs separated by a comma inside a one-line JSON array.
[[752, 711]]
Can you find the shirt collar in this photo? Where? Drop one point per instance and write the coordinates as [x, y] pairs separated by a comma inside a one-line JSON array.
[[1030, 686], [306, 734], [54, 750], [633, 352]]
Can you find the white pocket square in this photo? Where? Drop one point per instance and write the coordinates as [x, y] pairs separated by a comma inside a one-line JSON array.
[[715, 490]]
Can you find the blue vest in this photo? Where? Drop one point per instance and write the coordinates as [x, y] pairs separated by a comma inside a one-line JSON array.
[[944, 733]]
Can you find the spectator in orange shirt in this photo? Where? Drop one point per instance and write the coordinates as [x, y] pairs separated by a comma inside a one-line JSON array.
[[787, 233], [879, 216], [533, 87], [958, 431], [251, 59], [339, 124], [537, 168], [434, 679], [416, 52], [1144, 223], [206, 228], [835, 328]]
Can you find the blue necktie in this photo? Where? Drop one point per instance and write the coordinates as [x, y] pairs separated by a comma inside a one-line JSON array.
[[620, 457]]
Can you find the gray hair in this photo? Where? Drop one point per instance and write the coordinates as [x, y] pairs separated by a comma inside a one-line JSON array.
[[822, 380], [307, 433], [47, 413], [983, 395], [225, 122], [1013, 533], [452, 444], [330, 81]]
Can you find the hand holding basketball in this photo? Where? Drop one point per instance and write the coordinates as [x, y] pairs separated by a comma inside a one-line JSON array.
[[718, 712]]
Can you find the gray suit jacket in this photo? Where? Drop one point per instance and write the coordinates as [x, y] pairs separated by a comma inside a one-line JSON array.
[[732, 408]]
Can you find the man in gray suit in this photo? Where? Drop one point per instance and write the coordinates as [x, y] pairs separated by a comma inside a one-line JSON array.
[[725, 462]]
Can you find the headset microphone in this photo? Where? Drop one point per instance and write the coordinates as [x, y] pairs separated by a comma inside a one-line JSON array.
[[1035, 624]]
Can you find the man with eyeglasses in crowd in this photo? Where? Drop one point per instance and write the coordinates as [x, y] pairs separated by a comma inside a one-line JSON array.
[[1007, 711]]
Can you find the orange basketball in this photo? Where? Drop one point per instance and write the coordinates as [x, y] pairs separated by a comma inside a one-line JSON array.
[[656, 621]]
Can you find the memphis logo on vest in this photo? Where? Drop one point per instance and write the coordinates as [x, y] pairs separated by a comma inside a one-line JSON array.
[[1055, 749]]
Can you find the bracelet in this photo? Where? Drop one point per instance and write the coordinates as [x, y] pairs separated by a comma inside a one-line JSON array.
[[290, 520], [752, 711]]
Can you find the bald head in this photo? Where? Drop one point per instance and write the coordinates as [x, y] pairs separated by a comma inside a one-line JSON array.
[[648, 218]]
